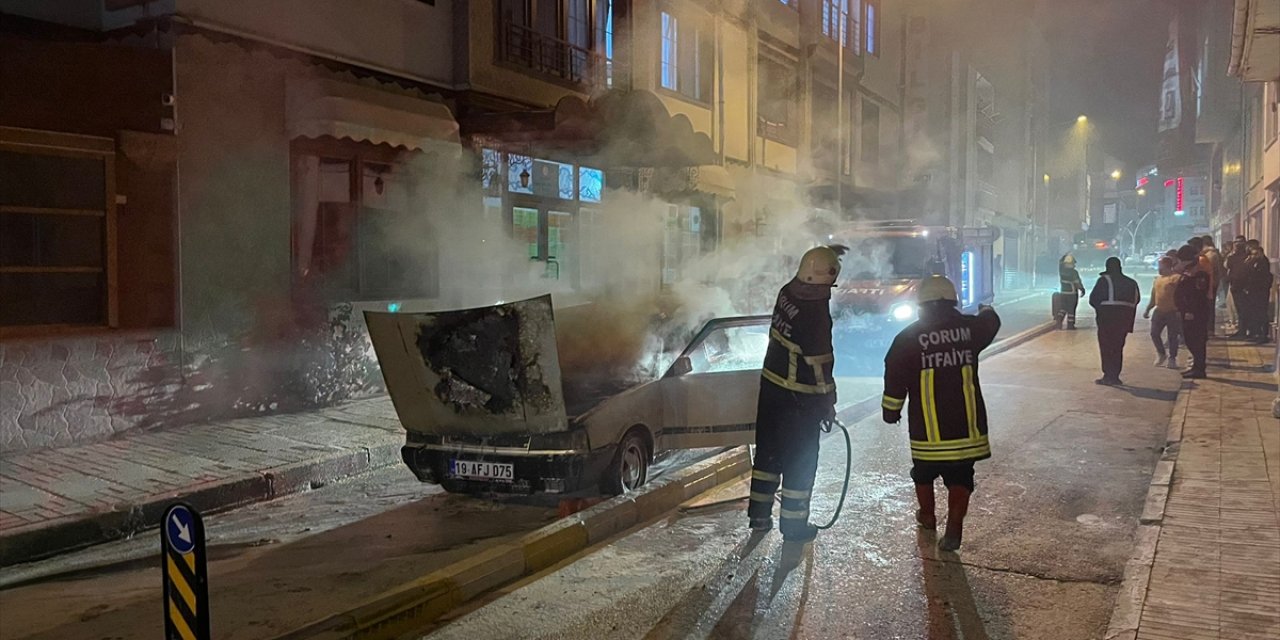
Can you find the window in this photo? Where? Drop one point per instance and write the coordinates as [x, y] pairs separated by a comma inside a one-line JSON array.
[[731, 348], [777, 101], [670, 51], [357, 230], [558, 39], [840, 20], [870, 132], [687, 57], [604, 39], [57, 227], [872, 22]]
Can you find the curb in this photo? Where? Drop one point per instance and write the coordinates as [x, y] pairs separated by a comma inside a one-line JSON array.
[[78, 532], [1016, 340], [1127, 612], [414, 604]]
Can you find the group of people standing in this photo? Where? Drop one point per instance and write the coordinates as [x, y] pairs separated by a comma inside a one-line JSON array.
[[1192, 280], [1242, 280]]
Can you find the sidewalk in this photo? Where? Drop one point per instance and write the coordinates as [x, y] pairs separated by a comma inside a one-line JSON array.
[[55, 500], [1208, 561]]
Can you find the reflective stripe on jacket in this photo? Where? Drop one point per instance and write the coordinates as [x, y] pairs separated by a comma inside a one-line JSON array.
[[800, 357], [934, 363], [1116, 298]]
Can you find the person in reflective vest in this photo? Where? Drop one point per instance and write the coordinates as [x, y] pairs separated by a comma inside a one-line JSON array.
[[1069, 291], [1115, 299], [797, 393], [934, 363]]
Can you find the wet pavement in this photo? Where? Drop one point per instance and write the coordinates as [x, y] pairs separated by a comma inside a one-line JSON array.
[[1046, 541]]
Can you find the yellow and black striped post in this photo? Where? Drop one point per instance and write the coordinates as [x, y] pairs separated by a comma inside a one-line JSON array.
[[186, 578]]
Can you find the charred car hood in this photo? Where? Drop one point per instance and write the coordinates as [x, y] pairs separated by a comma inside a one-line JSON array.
[[473, 372]]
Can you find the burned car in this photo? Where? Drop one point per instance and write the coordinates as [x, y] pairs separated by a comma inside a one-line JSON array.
[[487, 408]]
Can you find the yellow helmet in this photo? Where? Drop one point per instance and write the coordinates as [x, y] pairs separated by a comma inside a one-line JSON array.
[[1069, 260], [819, 265], [936, 288]]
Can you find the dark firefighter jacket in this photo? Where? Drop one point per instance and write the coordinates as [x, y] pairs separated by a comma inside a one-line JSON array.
[[1069, 278], [934, 362], [1191, 296], [800, 357], [1116, 298]]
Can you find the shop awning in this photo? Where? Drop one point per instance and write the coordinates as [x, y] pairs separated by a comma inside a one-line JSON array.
[[345, 110], [713, 179]]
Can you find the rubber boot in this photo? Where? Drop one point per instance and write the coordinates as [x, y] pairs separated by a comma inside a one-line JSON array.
[[957, 507], [925, 515]]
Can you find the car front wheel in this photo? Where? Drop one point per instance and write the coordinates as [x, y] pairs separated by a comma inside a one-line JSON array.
[[630, 467]]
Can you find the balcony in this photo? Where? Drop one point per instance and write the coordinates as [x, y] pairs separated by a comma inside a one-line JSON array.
[[524, 47]]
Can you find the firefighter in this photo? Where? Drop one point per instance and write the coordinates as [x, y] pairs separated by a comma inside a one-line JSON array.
[[1115, 301], [1069, 292], [797, 393], [934, 362]]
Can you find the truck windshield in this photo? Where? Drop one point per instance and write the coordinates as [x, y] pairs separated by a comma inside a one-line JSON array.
[[892, 257]]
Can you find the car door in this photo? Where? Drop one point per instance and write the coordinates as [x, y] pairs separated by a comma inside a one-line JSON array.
[[709, 395]]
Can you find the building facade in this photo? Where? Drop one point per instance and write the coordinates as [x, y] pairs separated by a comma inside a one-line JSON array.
[[245, 178]]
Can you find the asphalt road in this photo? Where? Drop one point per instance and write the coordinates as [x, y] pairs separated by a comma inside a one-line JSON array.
[[1046, 541]]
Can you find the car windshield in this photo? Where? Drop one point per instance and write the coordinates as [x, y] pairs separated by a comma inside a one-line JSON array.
[[730, 348]]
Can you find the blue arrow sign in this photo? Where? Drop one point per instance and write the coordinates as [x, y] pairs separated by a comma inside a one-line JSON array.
[[180, 528]]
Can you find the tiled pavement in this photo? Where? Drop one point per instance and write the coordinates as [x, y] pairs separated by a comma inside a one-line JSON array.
[[1216, 568], [56, 499]]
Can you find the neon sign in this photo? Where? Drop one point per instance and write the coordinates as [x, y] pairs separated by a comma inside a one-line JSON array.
[[966, 278]]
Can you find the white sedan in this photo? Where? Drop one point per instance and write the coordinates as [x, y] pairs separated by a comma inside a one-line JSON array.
[[481, 397]]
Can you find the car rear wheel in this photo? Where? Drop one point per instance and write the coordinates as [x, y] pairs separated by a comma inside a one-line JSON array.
[[630, 467]]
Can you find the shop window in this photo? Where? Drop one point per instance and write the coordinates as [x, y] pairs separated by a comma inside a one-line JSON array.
[[524, 228], [686, 238], [590, 184], [519, 173], [777, 101], [357, 233], [57, 253]]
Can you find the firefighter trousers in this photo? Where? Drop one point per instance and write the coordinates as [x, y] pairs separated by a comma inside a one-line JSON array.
[[788, 425]]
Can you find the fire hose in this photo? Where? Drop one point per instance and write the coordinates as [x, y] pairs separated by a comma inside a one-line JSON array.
[[848, 468]]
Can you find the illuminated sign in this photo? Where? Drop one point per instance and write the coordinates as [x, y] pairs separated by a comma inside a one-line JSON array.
[[1169, 183], [1179, 207], [1142, 182], [966, 278]]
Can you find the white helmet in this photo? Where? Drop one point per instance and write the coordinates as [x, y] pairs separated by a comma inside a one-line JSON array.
[[819, 265]]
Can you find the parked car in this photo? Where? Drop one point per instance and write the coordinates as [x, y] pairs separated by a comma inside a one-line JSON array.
[[1151, 259], [486, 407]]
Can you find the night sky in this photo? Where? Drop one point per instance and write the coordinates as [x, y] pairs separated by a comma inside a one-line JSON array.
[[1106, 60]]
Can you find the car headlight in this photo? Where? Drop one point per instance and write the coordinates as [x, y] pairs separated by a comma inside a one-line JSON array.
[[903, 311]]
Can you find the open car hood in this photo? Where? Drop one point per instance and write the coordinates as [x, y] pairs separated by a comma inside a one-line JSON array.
[[473, 372]]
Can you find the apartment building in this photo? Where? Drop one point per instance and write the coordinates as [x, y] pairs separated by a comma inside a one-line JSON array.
[[260, 172]]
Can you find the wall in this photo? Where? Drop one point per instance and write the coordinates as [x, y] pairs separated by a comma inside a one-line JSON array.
[[406, 37], [55, 390]]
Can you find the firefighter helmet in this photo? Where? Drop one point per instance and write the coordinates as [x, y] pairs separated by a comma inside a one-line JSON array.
[[819, 265], [1069, 260], [936, 288]]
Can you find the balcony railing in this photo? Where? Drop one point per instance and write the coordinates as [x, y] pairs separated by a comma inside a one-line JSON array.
[[526, 47]]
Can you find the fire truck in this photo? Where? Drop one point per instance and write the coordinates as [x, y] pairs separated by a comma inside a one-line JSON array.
[[885, 264]]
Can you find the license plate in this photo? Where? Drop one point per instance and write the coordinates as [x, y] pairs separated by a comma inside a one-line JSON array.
[[503, 471]]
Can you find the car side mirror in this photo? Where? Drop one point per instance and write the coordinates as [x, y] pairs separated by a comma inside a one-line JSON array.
[[681, 366]]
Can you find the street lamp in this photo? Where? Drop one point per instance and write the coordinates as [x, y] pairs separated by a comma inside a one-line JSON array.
[[1082, 118], [1142, 192], [1115, 175]]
